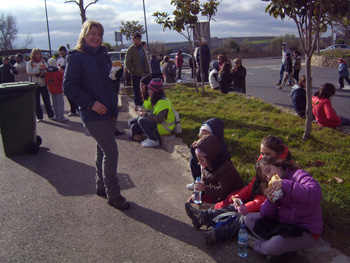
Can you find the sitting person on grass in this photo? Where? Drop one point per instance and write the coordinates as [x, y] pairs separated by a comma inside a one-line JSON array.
[[212, 126], [157, 122], [289, 221], [322, 108], [247, 200], [219, 176]]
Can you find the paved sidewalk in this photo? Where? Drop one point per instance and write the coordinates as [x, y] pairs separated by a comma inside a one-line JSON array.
[[49, 211]]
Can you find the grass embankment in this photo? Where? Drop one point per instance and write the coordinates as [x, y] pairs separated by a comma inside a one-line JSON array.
[[336, 53], [248, 120]]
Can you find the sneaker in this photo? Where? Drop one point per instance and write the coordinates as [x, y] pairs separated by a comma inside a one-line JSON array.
[[101, 192], [190, 186], [341, 87], [290, 84], [52, 117], [278, 84], [195, 215], [150, 143], [280, 87], [71, 114], [119, 203], [139, 137], [63, 119], [251, 240], [39, 120]]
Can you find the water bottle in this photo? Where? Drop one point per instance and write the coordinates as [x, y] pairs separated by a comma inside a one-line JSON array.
[[242, 242], [197, 194]]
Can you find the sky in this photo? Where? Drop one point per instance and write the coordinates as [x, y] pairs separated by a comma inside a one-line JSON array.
[[234, 18]]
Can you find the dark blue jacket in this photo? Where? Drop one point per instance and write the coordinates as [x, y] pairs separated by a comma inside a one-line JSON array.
[[87, 80], [299, 100]]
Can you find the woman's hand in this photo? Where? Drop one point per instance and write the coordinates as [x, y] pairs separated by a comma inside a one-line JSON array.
[[199, 186], [99, 108], [142, 113]]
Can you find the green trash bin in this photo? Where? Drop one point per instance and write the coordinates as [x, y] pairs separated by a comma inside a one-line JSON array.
[[18, 118]]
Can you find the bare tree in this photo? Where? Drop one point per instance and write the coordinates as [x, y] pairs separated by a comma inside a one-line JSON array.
[[8, 31], [27, 42], [80, 3]]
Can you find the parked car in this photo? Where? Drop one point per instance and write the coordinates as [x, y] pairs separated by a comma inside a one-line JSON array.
[[336, 46], [186, 58], [117, 55]]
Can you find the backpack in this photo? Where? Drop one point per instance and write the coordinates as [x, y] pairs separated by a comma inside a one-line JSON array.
[[177, 128]]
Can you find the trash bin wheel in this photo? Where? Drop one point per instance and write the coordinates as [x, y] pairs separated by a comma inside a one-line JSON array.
[[33, 148], [39, 140]]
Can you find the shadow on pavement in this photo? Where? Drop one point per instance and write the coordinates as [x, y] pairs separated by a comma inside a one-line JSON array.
[[69, 177]]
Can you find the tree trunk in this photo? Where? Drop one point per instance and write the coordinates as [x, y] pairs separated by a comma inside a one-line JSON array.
[[193, 66], [309, 115], [82, 11]]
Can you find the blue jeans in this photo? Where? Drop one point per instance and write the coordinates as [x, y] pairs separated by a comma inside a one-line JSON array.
[[195, 167], [136, 88], [283, 68], [106, 155], [149, 128]]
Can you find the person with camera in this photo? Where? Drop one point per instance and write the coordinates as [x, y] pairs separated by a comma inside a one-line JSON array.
[[36, 69]]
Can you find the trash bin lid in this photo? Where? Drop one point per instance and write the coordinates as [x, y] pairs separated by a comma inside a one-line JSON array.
[[24, 86]]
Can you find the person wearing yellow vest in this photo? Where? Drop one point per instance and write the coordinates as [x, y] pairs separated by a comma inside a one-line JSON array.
[[160, 121]]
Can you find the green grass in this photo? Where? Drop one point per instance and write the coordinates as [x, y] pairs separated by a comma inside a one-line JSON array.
[[247, 121], [260, 41]]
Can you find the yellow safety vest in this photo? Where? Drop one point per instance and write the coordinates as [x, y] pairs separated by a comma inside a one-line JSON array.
[[168, 124]]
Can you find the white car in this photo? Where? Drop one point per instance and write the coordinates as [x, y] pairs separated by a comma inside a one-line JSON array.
[[336, 46], [185, 56], [117, 55]]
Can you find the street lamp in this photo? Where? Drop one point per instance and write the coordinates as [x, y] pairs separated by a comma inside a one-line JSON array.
[[144, 14], [48, 30]]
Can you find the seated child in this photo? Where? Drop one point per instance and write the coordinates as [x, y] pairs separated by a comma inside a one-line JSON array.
[[294, 221], [212, 126], [219, 176], [214, 80], [322, 108]]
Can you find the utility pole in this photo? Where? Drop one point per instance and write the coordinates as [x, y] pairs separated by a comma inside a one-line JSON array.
[[144, 14], [48, 30]]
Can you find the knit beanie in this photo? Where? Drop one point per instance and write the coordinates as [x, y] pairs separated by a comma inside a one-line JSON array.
[[156, 85], [216, 65], [146, 80], [52, 63]]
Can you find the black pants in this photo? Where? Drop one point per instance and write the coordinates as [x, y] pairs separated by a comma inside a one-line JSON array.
[[47, 103], [341, 81]]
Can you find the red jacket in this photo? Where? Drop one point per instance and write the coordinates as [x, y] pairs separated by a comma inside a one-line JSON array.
[[54, 80], [179, 60], [324, 113]]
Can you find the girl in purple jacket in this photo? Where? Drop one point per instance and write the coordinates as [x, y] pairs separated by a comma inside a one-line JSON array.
[[294, 221]]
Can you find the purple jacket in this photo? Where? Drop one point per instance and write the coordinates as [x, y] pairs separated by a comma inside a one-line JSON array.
[[300, 204]]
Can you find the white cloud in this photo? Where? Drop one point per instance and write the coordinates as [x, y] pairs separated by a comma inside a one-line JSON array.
[[234, 18]]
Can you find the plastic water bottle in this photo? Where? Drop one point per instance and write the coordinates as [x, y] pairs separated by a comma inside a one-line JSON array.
[[242, 242], [197, 194]]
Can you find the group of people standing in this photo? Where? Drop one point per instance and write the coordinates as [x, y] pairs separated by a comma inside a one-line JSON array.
[[49, 77], [228, 78]]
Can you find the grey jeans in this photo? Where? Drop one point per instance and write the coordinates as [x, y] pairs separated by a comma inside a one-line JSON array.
[[106, 155]]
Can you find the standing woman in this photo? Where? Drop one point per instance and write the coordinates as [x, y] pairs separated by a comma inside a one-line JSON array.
[[36, 69], [87, 84]]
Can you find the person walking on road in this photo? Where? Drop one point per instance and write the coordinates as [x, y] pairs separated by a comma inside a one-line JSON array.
[[285, 50], [87, 83], [343, 73], [297, 65], [136, 62], [288, 72]]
